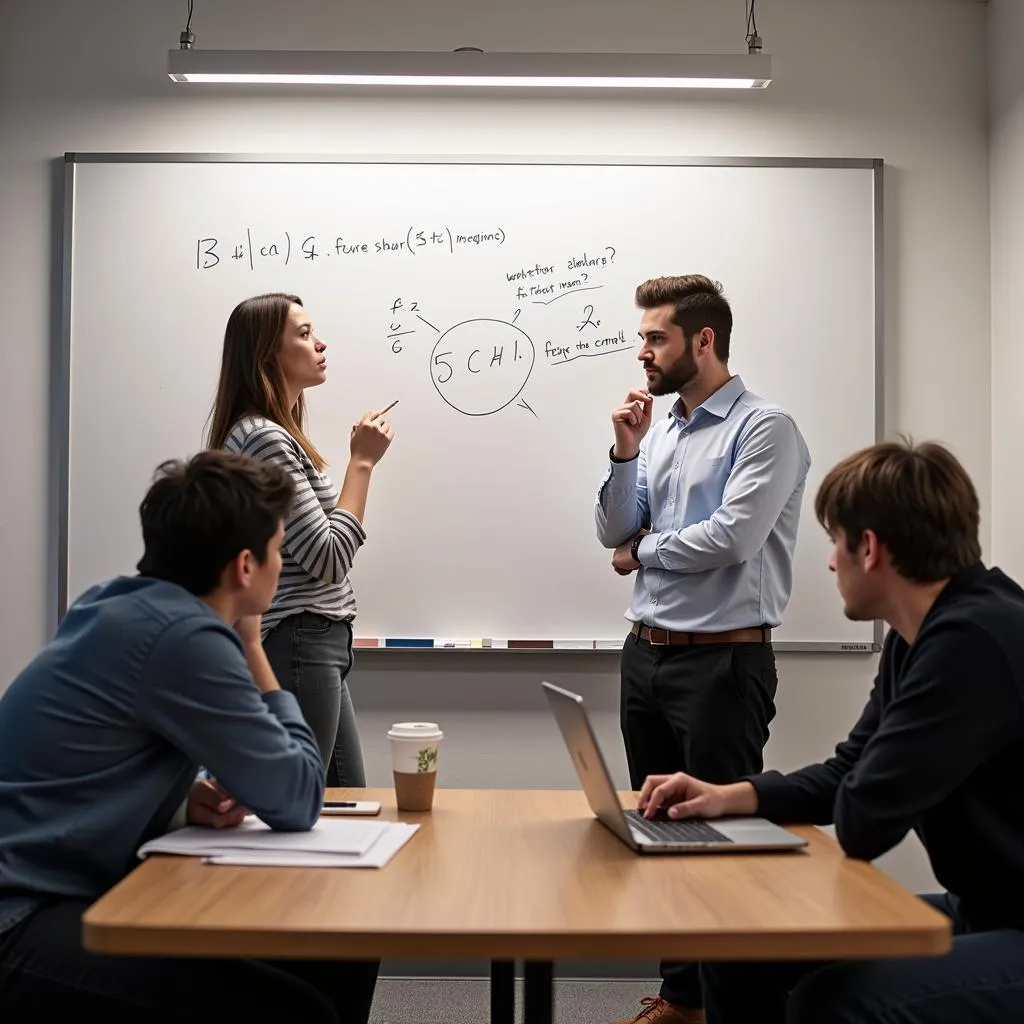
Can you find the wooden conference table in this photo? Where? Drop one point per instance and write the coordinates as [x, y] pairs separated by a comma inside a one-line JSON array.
[[520, 874]]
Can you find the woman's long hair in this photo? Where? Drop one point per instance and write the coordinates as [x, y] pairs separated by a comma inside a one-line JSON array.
[[251, 381]]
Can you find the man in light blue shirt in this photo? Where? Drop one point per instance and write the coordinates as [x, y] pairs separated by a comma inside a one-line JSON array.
[[704, 507]]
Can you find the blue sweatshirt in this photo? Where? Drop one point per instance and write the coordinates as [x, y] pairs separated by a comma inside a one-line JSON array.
[[102, 734]]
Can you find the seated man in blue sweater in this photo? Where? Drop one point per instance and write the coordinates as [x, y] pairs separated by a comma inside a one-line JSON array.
[[939, 749], [101, 737]]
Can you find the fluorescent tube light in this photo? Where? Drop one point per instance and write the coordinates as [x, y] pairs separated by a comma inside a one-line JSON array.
[[472, 68]]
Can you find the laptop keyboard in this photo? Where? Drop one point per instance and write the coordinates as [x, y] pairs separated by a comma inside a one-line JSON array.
[[664, 831]]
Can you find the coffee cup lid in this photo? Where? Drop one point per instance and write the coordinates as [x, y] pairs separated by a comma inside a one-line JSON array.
[[415, 730]]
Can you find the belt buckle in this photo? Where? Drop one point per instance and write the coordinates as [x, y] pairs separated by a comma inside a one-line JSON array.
[[657, 643]]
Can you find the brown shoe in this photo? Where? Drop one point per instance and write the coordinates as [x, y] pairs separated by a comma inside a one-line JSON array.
[[659, 1011]]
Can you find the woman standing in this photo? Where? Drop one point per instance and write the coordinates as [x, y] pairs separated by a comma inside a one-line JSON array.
[[271, 355]]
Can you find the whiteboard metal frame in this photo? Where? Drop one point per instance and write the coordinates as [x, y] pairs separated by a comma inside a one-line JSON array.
[[60, 454]]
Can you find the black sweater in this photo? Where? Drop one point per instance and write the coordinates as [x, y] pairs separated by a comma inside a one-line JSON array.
[[938, 749]]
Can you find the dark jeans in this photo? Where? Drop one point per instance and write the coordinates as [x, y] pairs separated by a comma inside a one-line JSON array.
[[46, 974], [704, 710], [311, 656], [981, 981]]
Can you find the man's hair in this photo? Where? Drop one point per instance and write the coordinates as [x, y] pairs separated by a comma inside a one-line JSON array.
[[699, 303], [918, 500], [199, 515]]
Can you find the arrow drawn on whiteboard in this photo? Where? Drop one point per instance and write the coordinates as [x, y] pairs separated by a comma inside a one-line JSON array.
[[428, 323], [524, 404]]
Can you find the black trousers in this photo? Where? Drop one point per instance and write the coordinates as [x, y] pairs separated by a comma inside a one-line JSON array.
[[704, 710], [45, 973]]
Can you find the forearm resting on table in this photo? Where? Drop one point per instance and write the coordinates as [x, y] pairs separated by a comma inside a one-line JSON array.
[[355, 488]]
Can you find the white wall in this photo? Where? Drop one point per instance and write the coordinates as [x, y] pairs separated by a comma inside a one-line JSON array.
[[899, 79], [1006, 98]]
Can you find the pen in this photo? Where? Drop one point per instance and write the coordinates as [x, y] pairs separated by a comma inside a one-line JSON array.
[[339, 803], [389, 408]]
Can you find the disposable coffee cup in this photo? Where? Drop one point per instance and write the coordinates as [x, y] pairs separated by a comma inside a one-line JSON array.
[[414, 751]]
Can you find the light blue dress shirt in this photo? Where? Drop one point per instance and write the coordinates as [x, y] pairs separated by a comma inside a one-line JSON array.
[[721, 494]]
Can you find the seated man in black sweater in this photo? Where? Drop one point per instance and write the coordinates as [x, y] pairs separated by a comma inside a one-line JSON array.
[[939, 749]]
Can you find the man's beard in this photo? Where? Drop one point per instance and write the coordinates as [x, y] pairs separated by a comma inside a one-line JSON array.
[[680, 374]]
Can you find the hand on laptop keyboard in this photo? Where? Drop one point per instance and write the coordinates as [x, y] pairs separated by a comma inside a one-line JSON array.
[[666, 830]]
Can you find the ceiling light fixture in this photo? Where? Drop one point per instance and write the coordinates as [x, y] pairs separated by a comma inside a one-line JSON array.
[[469, 66]]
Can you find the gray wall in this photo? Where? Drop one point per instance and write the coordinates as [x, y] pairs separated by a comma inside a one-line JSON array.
[[1006, 85]]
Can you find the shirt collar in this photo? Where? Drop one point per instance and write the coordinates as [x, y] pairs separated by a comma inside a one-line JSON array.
[[719, 404]]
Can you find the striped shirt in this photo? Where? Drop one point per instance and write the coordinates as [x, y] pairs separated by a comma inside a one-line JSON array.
[[320, 540]]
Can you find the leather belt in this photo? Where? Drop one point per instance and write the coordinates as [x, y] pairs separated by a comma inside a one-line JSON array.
[[668, 638]]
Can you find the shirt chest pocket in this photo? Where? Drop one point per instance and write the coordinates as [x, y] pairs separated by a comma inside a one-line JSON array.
[[702, 486]]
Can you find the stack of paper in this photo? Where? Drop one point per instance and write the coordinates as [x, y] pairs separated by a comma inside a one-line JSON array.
[[330, 843]]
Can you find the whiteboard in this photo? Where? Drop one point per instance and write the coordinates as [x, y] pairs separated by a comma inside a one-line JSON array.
[[494, 299]]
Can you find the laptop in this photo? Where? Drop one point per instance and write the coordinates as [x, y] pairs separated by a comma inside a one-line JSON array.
[[662, 835]]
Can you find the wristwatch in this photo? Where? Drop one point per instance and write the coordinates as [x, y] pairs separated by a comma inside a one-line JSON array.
[[634, 547]]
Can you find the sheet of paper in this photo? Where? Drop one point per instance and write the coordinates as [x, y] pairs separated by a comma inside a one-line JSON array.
[[329, 835], [397, 834]]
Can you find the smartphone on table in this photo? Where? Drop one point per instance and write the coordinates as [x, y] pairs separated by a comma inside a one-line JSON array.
[[354, 807]]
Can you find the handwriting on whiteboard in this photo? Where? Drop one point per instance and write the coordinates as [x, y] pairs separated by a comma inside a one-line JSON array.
[[481, 365], [246, 248]]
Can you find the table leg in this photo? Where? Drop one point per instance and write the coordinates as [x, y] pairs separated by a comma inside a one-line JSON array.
[[538, 992], [503, 991]]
